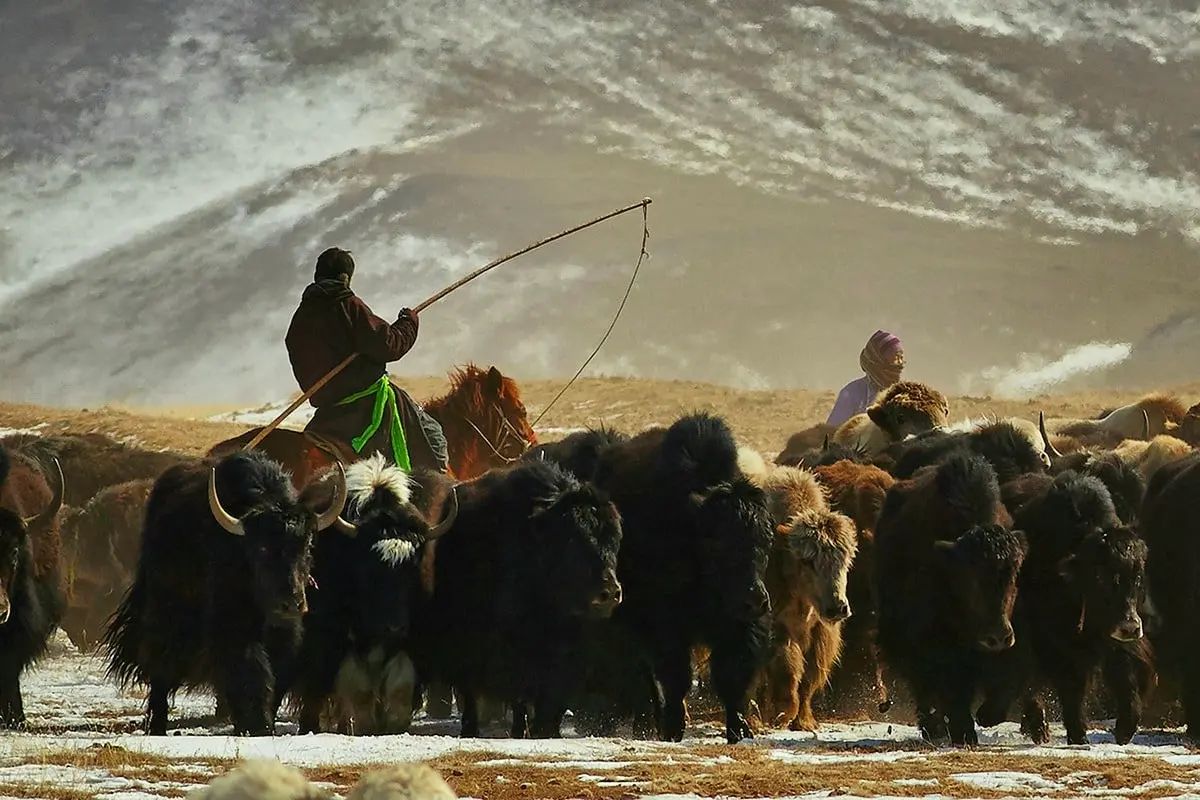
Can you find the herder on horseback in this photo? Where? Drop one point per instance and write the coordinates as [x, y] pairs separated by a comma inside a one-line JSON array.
[[360, 405]]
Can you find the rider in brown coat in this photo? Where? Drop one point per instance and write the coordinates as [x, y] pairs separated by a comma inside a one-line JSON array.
[[360, 406]]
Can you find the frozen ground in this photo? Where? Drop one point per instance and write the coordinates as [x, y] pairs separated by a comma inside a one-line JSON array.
[[83, 742]]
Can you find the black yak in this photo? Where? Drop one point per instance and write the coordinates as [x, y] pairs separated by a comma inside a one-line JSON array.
[[364, 585], [946, 580], [531, 556], [693, 559], [1006, 447], [1077, 611], [219, 592], [1171, 525]]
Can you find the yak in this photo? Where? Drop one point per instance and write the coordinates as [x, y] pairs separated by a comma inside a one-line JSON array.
[[219, 592], [360, 599], [806, 577], [902, 410], [100, 545], [1006, 447], [697, 536], [1171, 526], [1077, 611], [946, 579], [93, 461], [858, 491], [31, 595], [579, 452], [530, 557]]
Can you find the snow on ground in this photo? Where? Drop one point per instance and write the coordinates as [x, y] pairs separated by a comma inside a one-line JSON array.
[[75, 713]]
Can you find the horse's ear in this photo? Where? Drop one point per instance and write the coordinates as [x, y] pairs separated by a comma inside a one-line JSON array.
[[495, 381]]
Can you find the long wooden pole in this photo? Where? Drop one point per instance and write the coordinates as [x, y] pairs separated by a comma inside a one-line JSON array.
[[333, 373]]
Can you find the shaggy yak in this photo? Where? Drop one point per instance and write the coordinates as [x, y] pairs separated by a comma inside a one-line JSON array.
[[1171, 525], [92, 461], [693, 558], [1005, 446], [363, 588], [218, 596], [578, 453], [946, 576], [858, 491], [531, 556], [1077, 611], [1151, 416], [806, 580], [100, 551], [905, 409], [31, 599]]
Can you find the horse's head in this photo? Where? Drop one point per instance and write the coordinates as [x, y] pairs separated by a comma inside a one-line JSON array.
[[495, 428]]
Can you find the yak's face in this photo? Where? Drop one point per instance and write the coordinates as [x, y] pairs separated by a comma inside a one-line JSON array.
[[388, 548], [574, 545], [13, 544], [278, 548], [979, 571], [733, 532], [1109, 572], [816, 556]]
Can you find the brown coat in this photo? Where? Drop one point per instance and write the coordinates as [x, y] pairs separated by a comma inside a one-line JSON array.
[[330, 324]]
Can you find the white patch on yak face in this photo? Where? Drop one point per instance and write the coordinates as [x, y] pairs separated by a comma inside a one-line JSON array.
[[394, 552], [363, 478]]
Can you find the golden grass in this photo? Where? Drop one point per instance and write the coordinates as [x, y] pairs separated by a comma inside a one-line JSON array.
[[762, 419]]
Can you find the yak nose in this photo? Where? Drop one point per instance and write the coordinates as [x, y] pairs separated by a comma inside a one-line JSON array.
[[610, 595], [1128, 631], [5, 612], [999, 640], [838, 612]]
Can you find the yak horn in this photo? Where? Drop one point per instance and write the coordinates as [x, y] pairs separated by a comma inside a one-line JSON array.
[[1050, 448], [1145, 425], [333, 515], [448, 519], [344, 527], [226, 520], [56, 501]]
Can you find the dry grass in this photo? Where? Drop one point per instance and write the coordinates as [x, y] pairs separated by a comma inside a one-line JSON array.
[[763, 419]]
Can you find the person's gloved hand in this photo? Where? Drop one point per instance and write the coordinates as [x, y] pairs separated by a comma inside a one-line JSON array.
[[409, 316]]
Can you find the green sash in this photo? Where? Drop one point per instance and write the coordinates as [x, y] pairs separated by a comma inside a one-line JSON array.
[[385, 403]]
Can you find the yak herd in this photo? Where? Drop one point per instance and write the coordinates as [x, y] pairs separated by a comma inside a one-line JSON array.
[[970, 568]]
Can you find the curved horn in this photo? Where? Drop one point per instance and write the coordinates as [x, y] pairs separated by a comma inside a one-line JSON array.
[[226, 520], [1145, 425], [450, 516], [825, 444], [345, 528], [56, 500], [331, 515], [1050, 448]]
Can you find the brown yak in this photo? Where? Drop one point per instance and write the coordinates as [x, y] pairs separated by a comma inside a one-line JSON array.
[[858, 491], [806, 574], [901, 410]]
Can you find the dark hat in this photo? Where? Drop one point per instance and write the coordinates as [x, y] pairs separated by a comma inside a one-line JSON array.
[[334, 262]]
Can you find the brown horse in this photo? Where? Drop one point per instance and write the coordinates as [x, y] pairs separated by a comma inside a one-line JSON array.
[[482, 415]]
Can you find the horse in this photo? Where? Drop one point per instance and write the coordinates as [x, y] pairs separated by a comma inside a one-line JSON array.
[[485, 423]]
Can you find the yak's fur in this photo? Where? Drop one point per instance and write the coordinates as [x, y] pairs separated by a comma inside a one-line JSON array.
[[1077, 611], [359, 608], [31, 592], [946, 578], [1171, 525], [212, 609], [697, 539], [858, 491], [905, 409], [531, 556], [806, 580], [1005, 446]]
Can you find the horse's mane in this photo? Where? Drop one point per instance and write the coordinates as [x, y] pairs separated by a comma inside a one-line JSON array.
[[465, 396]]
